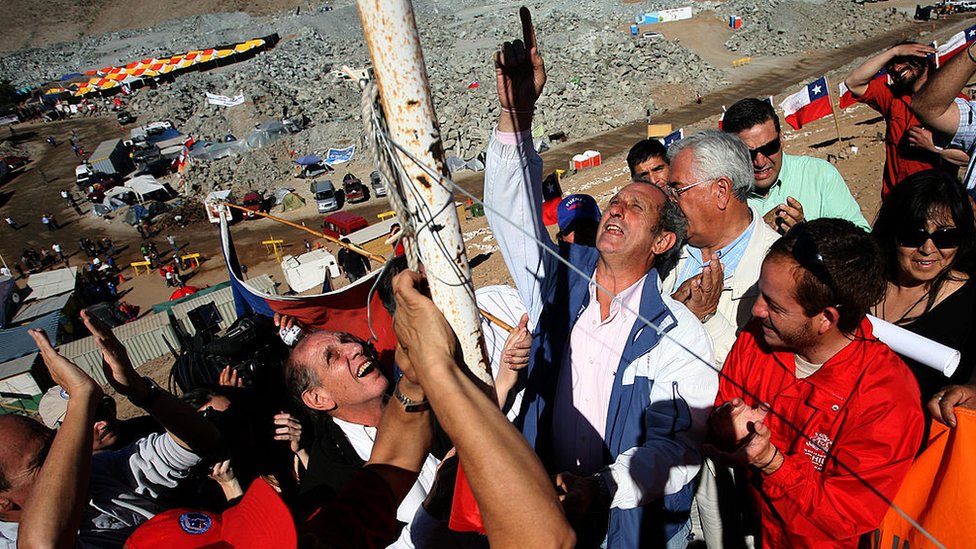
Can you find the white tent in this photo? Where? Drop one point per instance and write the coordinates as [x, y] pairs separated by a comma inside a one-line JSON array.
[[146, 187]]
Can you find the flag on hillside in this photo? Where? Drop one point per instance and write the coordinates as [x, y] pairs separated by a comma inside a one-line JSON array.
[[955, 44], [672, 137], [721, 117], [342, 310], [936, 492], [809, 104], [846, 98]]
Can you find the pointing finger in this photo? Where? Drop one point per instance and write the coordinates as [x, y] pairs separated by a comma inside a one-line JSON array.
[[528, 31]]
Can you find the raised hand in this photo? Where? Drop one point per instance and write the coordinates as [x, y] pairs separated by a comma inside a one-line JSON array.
[[65, 373], [423, 334], [290, 429], [520, 72], [116, 364]]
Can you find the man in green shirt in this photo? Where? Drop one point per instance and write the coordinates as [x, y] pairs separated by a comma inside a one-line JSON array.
[[789, 189]]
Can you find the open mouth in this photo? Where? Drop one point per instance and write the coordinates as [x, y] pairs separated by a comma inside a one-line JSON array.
[[613, 228], [365, 369]]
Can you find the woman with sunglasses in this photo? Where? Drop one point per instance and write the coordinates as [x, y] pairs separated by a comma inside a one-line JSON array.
[[927, 236]]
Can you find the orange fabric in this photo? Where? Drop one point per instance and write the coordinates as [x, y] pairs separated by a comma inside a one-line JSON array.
[[938, 491], [465, 514]]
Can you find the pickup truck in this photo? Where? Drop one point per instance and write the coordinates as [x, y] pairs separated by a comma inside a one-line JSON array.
[[354, 189]]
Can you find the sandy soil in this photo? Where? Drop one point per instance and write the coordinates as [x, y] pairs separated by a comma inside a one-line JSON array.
[[27, 196]]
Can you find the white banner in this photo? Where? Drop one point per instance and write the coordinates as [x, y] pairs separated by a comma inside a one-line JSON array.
[[11, 119], [225, 101]]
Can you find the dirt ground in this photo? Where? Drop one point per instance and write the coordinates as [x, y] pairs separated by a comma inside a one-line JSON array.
[[34, 191]]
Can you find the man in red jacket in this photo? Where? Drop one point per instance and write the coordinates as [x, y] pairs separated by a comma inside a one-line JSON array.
[[815, 407]]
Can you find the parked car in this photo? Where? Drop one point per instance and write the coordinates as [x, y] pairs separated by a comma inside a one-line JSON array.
[[341, 224], [14, 162], [354, 189], [125, 117], [325, 195], [146, 155], [376, 181], [254, 202]]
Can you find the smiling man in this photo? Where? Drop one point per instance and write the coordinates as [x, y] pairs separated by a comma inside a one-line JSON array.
[[613, 405], [788, 189], [815, 408], [909, 146], [336, 376]]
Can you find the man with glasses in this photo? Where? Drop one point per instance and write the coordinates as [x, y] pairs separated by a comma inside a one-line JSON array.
[[818, 412], [726, 238], [789, 189], [909, 146]]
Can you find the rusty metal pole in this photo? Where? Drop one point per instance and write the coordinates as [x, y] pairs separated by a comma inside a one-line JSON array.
[[398, 63]]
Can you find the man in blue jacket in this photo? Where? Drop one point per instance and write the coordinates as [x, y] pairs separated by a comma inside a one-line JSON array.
[[619, 383]]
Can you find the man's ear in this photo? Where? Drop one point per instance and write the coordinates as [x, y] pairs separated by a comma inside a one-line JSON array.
[[830, 317], [722, 190], [317, 399], [6, 505], [665, 241]]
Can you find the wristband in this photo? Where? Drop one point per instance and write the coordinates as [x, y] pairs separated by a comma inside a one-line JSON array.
[[150, 397], [514, 111], [770, 462], [410, 405]]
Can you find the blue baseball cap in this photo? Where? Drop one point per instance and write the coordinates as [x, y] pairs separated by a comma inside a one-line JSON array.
[[577, 207]]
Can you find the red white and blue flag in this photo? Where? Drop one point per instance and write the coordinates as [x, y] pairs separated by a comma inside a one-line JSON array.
[[809, 104], [342, 310], [956, 43]]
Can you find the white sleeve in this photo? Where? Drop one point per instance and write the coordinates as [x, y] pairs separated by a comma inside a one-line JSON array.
[[513, 194], [683, 389], [159, 462]]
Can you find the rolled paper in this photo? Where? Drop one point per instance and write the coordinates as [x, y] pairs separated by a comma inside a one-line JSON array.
[[918, 348]]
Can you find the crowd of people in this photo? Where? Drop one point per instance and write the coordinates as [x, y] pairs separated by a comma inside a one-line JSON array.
[[695, 363]]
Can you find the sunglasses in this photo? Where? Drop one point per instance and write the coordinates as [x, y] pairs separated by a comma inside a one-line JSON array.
[[946, 238], [767, 150], [805, 253]]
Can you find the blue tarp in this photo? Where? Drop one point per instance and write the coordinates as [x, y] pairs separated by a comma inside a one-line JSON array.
[[16, 342], [308, 160]]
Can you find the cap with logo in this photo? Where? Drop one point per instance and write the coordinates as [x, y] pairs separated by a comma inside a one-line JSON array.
[[576, 207]]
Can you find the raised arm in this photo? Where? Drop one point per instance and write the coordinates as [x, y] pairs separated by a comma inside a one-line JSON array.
[[857, 81], [513, 170], [497, 460], [934, 104], [52, 514], [188, 428]]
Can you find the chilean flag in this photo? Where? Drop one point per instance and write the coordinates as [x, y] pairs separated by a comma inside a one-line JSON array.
[[954, 45], [342, 310], [809, 104]]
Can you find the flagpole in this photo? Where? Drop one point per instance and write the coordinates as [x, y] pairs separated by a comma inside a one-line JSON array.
[[391, 36], [833, 112]]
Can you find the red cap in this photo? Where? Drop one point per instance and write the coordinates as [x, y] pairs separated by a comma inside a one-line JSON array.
[[260, 520]]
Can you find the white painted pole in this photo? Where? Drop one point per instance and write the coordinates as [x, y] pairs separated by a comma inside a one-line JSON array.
[[398, 64]]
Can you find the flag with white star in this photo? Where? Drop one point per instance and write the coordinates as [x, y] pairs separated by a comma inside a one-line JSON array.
[[809, 104]]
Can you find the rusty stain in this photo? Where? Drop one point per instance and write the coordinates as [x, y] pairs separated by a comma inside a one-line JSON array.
[[413, 103], [422, 179]]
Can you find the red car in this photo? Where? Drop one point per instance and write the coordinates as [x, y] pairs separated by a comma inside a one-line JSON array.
[[14, 162], [254, 202]]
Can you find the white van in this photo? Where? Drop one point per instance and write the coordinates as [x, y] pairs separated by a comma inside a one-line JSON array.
[[325, 195]]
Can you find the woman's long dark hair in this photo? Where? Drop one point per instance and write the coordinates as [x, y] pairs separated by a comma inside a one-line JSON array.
[[910, 204]]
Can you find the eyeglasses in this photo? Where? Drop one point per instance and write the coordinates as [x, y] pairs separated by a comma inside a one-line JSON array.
[[676, 191], [767, 150], [946, 238], [805, 253]]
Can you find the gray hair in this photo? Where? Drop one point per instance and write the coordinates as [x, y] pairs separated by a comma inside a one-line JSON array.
[[718, 154]]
